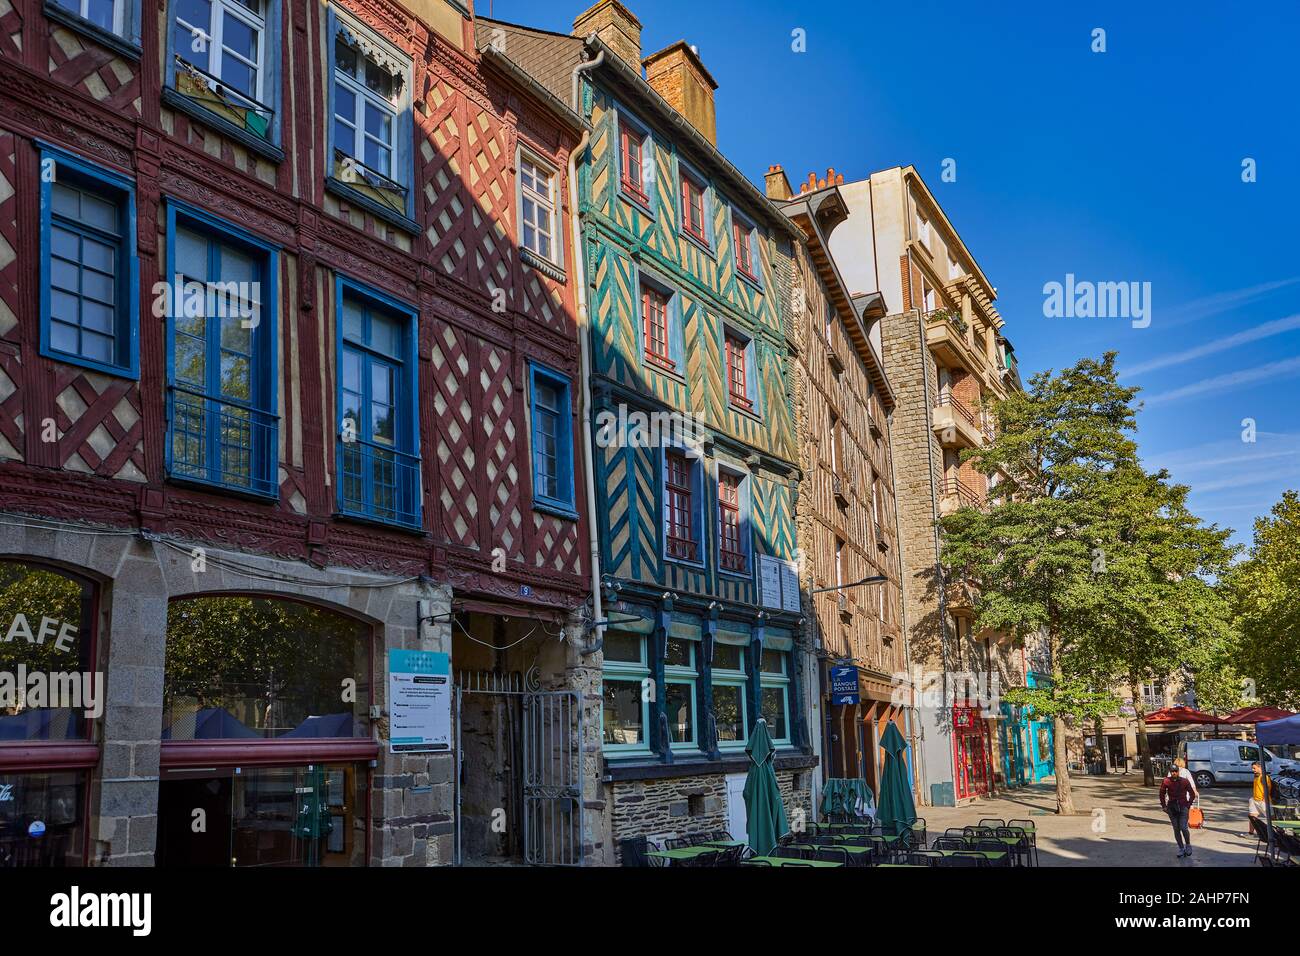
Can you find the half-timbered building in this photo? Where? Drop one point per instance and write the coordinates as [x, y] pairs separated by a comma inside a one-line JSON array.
[[686, 265], [288, 384]]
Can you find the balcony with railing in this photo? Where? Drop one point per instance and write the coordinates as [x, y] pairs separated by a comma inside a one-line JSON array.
[[948, 335], [221, 442], [958, 494], [224, 101], [370, 183], [379, 483], [956, 424]]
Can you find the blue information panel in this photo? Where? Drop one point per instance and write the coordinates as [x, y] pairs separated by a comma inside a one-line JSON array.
[[844, 685], [419, 701]]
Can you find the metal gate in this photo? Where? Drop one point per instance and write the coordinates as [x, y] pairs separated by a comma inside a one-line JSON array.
[[552, 764], [553, 778]]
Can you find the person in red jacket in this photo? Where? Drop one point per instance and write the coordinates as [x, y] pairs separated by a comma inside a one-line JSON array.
[[1176, 796]]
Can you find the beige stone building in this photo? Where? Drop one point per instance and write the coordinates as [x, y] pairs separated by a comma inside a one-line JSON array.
[[846, 514], [944, 349]]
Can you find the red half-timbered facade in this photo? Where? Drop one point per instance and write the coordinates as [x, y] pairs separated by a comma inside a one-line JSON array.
[[390, 438]]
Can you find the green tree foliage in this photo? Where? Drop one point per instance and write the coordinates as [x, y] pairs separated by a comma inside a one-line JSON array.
[[1032, 550], [1265, 594]]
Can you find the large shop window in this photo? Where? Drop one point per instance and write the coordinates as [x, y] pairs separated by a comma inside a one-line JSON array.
[[379, 464], [305, 816], [224, 59], [221, 384], [730, 688], [371, 127], [42, 819], [245, 668], [46, 641], [679, 693], [49, 694], [90, 285], [626, 700]]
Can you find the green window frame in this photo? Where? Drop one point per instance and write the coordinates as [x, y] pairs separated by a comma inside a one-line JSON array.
[[774, 687], [681, 675], [734, 678], [635, 673]]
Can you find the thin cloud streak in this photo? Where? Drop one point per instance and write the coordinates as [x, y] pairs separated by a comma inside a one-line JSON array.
[[1266, 330], [1224, 301], [1225, 383]]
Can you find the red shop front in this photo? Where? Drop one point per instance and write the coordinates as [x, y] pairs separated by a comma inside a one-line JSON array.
[[972, 752]]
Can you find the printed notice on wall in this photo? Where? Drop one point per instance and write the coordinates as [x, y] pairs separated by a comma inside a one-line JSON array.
[[769, 581], [419, 701], [778, 583], [790, 586]]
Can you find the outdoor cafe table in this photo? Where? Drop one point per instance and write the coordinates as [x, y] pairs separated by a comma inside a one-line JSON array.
[[1009, 841], [786, 861], [837, 838], [850, 850], [723, 844], [683, 853], [1287, 824], [992, 856]]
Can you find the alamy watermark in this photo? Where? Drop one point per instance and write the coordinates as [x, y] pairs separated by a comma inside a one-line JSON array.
[[935, 690], [1084, 299]]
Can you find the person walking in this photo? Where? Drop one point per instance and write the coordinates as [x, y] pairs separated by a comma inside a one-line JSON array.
[[1256, 806], [1176, 800]]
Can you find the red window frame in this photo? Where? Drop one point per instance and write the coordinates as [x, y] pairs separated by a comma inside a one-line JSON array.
[[693, 209], [737, 383], [744, 251], [654, 319], [678, 504], [731, 554], [630, 144]]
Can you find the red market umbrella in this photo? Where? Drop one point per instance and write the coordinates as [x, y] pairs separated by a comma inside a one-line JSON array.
[[1181, 715], [1255, 715]]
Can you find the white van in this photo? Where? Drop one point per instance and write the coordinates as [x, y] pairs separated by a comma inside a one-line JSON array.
[[1227, 761]]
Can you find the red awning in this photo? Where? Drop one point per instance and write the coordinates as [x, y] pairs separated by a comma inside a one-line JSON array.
[[1181, 715], [1253, 715]]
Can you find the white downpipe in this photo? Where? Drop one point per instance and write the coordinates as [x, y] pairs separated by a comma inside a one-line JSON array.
[[584, 351]]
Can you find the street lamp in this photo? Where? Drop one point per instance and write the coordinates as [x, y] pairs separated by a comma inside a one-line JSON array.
[[874, 579]]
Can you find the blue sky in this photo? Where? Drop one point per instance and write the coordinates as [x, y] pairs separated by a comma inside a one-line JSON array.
[[1122, 166]]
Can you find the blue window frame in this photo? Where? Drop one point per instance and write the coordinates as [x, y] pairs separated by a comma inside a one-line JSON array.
[[635, 155], [681, 480], [552, 438], [115, 20], [745, 248], [90, 278], [223, 57], [734, 522], [659, 313], [739, 352], [220, 303], [378, 442], [695, 207], [370, 122]]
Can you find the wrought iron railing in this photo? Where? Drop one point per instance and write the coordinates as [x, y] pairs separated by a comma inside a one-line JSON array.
[[379, 483], [353, 172], [215, 95], [962, 491], [221, 442]]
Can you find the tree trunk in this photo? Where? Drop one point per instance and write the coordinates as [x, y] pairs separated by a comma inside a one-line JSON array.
[[1064, 799], [1144, 749], [1099, 734]]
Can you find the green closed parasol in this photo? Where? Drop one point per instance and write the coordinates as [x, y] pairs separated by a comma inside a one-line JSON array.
[[896, 809], [762, 795]]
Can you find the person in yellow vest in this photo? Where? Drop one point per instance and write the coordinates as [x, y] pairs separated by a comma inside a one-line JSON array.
[[1256, 808]]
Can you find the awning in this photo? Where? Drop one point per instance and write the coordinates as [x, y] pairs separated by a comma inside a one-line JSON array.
[[1181, 715], [1255, 715]]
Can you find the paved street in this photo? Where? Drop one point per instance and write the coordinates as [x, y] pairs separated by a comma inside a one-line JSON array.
[[1134, 831]]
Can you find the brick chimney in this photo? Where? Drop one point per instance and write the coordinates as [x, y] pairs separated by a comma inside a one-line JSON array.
[[678, 75], [616, 25], [778, 184]]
